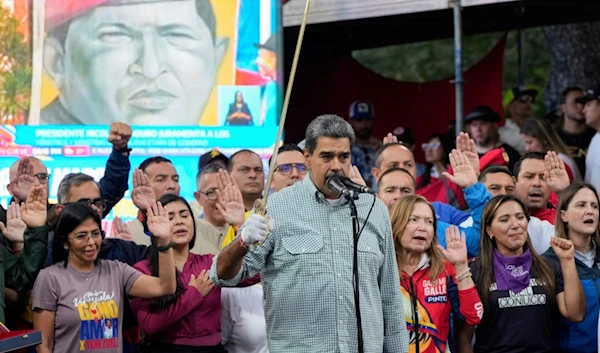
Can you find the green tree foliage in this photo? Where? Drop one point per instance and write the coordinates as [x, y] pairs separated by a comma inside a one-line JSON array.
[[15, 70], [434, 60]]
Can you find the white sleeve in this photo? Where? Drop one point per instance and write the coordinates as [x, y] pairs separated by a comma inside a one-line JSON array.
[[227, 321], [467, 223], [540, 233]]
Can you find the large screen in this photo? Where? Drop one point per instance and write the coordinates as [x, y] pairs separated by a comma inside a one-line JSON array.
[[187, 75]]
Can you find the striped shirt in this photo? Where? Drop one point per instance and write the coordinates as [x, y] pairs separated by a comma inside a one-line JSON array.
[[306, 269]]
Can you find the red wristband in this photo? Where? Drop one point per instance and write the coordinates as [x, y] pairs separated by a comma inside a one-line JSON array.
[[242, 244]]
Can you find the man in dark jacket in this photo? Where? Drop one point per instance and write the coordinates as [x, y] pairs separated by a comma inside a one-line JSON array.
[[30, 171]]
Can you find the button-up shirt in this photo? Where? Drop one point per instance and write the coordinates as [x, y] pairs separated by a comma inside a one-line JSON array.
[[306, 269]]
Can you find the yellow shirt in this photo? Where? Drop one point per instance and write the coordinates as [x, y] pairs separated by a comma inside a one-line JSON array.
[[231, 233]]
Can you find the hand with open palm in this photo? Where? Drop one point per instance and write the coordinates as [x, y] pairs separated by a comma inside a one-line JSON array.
[[121, 230], [23, 180], [159, 224], [35, 210], [229, 199], [556, 173], [466, 145], [456, 248], [464, 174], [15, 227], [143, 194]]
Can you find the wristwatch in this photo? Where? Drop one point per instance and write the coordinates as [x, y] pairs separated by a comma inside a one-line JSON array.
[[164, 247], [123, 150]]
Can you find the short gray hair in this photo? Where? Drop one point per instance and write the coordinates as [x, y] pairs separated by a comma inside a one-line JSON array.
[[69, 181], [210, 168], [327, 125]]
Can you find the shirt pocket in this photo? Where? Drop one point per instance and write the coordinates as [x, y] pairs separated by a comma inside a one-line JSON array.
[[304, 255], [369, 254]]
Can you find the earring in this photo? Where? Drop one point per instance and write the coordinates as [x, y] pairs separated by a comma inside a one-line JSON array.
[[491, 236]]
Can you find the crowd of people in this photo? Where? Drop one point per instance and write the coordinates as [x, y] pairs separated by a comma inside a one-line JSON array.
[[490, 246]]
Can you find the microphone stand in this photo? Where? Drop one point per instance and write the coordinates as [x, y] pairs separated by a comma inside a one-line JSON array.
[[355, 230]]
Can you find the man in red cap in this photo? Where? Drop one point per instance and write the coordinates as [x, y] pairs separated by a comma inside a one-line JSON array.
[[144, 62]]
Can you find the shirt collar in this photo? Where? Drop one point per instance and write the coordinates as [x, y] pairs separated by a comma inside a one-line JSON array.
[[588, 257], [310, 187]]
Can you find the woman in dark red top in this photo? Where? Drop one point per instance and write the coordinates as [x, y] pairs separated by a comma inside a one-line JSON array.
[[190, 319]]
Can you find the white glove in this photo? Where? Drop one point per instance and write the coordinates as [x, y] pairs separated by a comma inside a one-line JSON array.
[[255, 229]]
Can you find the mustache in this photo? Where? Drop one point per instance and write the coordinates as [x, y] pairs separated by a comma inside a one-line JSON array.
[[339, 174], [143, 86]]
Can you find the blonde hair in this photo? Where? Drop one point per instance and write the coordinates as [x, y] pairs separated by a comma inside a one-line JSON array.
[[400, 214]]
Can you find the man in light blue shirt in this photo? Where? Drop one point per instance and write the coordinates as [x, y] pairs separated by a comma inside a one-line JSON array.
[[305, 256]]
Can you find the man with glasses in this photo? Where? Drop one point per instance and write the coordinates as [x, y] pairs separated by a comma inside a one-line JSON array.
[[80, 187], [36, 174], [29, 171], [519, 103], [224, 221], [290, 167]]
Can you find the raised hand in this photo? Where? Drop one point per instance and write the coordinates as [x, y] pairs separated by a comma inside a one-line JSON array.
[[563, 248], [390, 138], [203, 283], [121, 230], [120, 134], [34, 211], [355, 176], [24, 180], [466, 145], [464, 174], [142, 194], [456, 248], [556, 173], [159, 224], [229, 199], [15, 227]]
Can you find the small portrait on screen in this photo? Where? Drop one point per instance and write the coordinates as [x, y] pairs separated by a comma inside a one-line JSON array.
[[238, 105], [143, 62]]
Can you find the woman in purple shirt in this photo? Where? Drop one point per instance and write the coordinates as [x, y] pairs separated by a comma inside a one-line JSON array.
[[190, 319]]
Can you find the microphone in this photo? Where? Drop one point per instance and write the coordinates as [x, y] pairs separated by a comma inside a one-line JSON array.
[[334, 183], [356, 187]]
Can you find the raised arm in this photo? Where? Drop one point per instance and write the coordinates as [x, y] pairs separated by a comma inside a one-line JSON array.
[[21, 270], [241, 259], [571, 302], [475, 193], [148, 286], [469, 304], [115, 181]]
